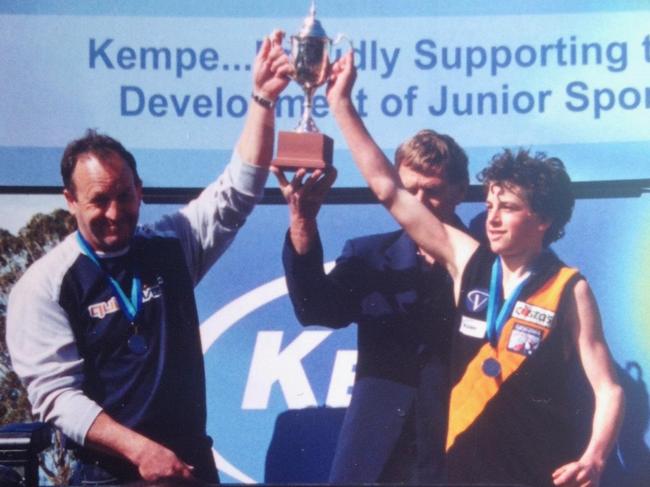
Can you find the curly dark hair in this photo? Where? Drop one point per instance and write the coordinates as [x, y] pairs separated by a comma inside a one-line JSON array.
[[428, 150], [544, 182], [99, 145]]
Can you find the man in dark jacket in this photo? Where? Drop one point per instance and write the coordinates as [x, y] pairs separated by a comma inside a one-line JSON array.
[[402, 301]]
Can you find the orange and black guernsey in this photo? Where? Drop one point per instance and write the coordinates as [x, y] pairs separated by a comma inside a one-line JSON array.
[[513, 414]]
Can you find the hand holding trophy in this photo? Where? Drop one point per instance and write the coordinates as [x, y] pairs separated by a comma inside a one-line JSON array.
[[306, 147]]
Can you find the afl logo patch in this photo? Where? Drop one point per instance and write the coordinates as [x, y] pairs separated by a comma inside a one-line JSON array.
[[476, 300]]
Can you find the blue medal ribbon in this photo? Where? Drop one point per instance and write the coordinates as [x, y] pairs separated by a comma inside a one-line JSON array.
[[130, 307], [495, 323]]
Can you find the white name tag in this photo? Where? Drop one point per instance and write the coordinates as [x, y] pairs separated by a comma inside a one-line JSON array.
[[472, 327]]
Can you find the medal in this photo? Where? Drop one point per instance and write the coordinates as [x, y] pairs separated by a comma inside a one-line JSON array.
[[137, 344], [491, 367]]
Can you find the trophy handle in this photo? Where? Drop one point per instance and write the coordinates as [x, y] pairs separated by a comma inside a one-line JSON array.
[[343, 37]]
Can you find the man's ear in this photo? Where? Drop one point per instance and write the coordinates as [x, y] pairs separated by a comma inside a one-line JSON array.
[[70, 200]]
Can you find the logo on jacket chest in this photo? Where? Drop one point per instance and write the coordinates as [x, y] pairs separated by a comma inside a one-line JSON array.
[[476, 300], [103, 308]]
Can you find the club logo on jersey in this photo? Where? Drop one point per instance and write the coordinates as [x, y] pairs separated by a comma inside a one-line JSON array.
[[152, 292], [524, 339], [476, 300], [100, 310], [533, 314]]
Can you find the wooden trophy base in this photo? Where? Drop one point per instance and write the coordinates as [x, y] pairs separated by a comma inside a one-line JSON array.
[[303, 150]]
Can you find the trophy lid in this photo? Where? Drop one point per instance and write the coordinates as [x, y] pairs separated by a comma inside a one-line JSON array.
[[311, 26]]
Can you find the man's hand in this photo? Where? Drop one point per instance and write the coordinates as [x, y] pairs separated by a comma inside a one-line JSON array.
[[271, 68], [305, 200], [582, 473], [156, 462], [341, 81]]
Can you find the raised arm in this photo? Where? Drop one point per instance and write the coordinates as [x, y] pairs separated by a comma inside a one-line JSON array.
[[304, 200], [270, 77], [210, 222], [316, 297], [443, 242], [587, 334]]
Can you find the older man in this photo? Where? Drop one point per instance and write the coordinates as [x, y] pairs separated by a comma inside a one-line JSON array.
[[103, 330]]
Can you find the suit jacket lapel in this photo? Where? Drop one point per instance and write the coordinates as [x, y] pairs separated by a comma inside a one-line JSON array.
[[401, 254]]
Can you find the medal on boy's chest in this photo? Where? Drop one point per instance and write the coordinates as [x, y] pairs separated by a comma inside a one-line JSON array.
[[491, 367]]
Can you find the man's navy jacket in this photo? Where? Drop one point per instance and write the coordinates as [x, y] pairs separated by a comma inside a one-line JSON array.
[[404, 312]]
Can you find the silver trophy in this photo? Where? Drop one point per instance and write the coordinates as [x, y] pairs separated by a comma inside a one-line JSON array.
[[310, 57]]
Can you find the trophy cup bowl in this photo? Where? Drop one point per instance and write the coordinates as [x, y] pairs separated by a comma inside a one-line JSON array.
[[306, 147], [311, 69]]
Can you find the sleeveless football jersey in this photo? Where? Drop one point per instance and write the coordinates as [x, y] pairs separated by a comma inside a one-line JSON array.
[[515, 414]]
